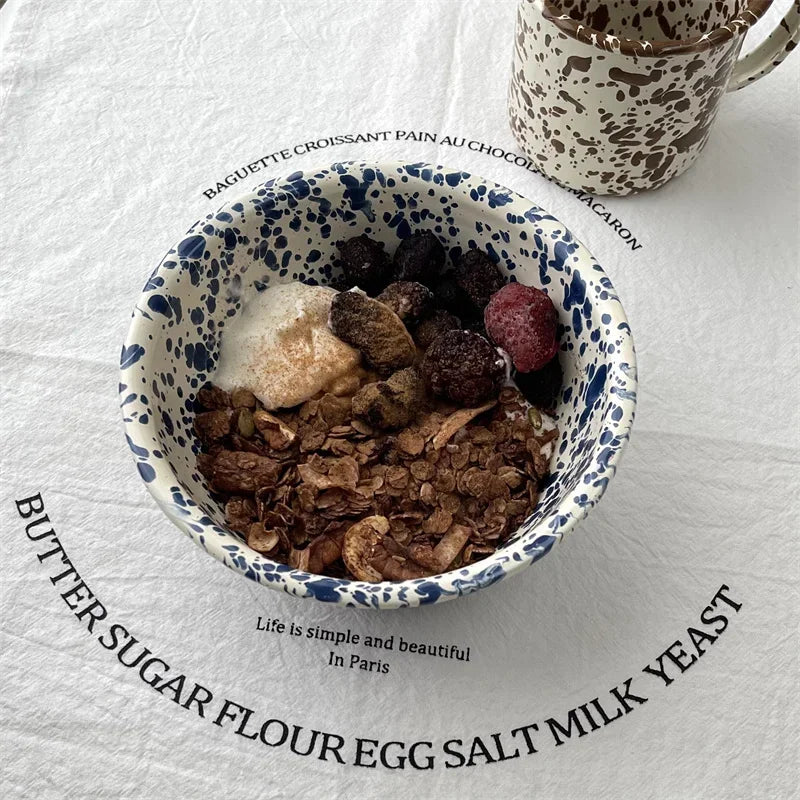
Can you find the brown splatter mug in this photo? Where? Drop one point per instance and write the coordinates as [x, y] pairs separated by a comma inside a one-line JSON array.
[[619, 96]]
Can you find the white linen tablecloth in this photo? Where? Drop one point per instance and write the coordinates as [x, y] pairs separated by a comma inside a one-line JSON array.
[[117, 120]]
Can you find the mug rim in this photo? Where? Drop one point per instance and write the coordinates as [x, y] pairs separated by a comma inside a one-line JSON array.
[[726, 32]]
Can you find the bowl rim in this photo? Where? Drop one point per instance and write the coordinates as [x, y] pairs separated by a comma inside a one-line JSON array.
[[179, 506]]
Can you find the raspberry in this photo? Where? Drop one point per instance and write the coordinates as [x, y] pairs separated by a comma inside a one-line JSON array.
[[478, 276], [463, 367], [433, 326], [408, 299], [365, 263], [522, 320], [420, 257]]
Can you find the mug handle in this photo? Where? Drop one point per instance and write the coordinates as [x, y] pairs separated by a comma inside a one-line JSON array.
[[770, 52]]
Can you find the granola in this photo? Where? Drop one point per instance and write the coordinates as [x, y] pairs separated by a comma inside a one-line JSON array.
[[377, 433], [322, 490]]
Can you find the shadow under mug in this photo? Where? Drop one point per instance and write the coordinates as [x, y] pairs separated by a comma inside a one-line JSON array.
[[618, 97]]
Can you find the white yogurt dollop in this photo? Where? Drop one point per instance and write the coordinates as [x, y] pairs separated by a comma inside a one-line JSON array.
[[280, 347]]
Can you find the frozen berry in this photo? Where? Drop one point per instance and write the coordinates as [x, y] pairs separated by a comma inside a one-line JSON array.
[[340, 282], [374, 329], [463, 367], [392, 403], [476, 325], [420, 257], [541, 388], [522, 320], [479, 277], [451, 297], [408, 299], [433, 326], [366, 264]]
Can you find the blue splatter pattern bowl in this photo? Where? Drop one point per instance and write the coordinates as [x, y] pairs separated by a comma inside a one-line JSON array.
[[287, 229]]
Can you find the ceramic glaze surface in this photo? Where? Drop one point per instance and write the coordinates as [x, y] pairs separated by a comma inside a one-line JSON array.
[[618, 97], [287, 230]]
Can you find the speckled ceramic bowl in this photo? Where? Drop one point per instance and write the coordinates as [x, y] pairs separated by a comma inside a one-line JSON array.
[[287, 229]]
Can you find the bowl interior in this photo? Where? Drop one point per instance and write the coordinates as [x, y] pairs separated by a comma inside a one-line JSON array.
[[288, 230]]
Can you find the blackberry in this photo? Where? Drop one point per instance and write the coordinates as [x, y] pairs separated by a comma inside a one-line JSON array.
[[476, 325], [541, 388], [433, 326], [365, 263], [451, 297], [408, 299], [420, 257], [478, 276], [340, 282], [464, 367]]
